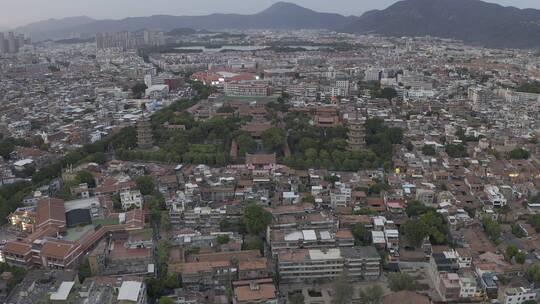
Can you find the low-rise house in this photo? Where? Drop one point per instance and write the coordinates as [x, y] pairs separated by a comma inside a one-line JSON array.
[[131, 199]]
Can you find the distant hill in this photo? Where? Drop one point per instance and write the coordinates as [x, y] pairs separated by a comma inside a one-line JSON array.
[[53, 28], [472, 21], [281, 15]]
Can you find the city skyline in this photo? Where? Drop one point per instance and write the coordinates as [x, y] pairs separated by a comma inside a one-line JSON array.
[[19, 13]]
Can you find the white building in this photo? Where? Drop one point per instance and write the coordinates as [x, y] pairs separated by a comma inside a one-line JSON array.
[[19, 128], [131, 199], [468, 287], [132, 292], [157, 91], [372, 75], [518, 295], [494, 196]]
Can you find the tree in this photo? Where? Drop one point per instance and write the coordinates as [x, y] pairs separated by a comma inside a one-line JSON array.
[[253, 244], [138, 89], [511, 252], [165, 300], [342, 289], [491, 228], [170, 281], [296, 298], [165, 222], [6, 147], [402, 281], [84, 270], [308, 199], [85, 177], [223, 239], [520, 257], [371, 295], [117, 204], [519, 153], [429, 224], [517, 231], [145, 183], [416, 208], [456, 151], [359, 233], [99, 158], [533, 273], [534, 220], [163, 252], [246, 144], [386, 93], [504, 210], [415, 232], [256, 218], [428, 150], [273, 139]]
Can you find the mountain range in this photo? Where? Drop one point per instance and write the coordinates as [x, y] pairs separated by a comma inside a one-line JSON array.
[[472, 21], [281, 15]]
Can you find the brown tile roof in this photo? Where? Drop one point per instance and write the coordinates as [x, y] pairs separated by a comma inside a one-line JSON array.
[[344, 234], [252, 264], [260, 159], [405, 297], [17, 247], [293, 255], [265, 290], [57, 249], [51, 209], [227, 256], [196, 267]]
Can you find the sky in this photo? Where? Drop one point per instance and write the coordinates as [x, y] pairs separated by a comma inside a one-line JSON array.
[[20, 12]]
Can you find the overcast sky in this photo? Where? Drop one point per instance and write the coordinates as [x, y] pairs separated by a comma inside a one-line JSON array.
[[19, 12]]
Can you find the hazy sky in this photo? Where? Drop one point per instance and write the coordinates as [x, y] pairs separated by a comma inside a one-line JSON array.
[[20, 12]]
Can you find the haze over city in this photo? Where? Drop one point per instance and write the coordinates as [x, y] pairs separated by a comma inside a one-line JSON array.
[[17, 13], [255, 151]]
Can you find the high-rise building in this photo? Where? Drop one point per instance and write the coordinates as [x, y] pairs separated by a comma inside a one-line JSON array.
[[12, 43], [3, 48], [357, 133], [123, 40], [144, 133], [154, 38]]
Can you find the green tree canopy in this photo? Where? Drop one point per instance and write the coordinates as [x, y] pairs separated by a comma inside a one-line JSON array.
[[296, 298], [86, 177], [534, 220], [428, 150], [274, 139], [456, 151], [359, 232], [429, 224], [223, 239], [491, 228], [256, 218], [372, 295], [139, 89], [401, 281], [145, 183], [519, 153], [343, 291], [165, 300]]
